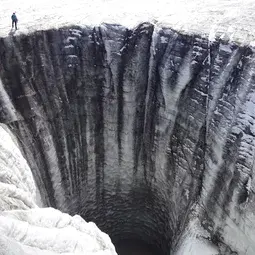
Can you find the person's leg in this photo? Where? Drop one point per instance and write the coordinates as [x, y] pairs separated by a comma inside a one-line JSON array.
[[16, 25], [12, 24]]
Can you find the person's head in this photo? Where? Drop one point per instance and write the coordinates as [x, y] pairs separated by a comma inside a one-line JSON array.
[[14, 13]]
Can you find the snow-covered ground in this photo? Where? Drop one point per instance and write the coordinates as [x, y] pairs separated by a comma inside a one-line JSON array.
[[230, 18]]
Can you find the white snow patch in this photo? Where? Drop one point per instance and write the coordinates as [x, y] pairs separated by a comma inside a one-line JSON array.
[[212, 33], [69, 46], [72, 56], [46, 231], [17, 187], [76, 32], [164, 39]]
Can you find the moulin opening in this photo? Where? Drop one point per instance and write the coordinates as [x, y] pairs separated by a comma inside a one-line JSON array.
[[137, 221], [133, 236]]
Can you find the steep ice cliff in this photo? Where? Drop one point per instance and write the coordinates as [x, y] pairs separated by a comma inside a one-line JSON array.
[[147, 132]]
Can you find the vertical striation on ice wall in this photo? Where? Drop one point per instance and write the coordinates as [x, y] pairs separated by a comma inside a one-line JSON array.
[[138, 130]]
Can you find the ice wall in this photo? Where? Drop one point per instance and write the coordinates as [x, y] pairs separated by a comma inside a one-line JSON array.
[[139, 130]]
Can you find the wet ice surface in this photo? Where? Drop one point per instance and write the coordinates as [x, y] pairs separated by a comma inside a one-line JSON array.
[[230, 19]]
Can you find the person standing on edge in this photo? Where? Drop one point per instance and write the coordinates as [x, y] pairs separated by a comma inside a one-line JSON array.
[[14, 20]]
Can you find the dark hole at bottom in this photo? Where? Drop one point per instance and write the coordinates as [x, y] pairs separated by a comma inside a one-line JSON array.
[[135, 247]]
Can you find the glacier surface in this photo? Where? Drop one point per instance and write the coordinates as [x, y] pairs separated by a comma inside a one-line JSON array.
[[223, 18]]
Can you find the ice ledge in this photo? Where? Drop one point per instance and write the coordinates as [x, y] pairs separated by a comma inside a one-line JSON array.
[[48, 231], [231, 20]]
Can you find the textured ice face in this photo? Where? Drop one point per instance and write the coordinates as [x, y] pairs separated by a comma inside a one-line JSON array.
[[48, 231], [228, 19], [26, 229], [17, 187]]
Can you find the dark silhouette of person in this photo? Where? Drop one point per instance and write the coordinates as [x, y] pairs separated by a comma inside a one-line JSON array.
[[14, 20]]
